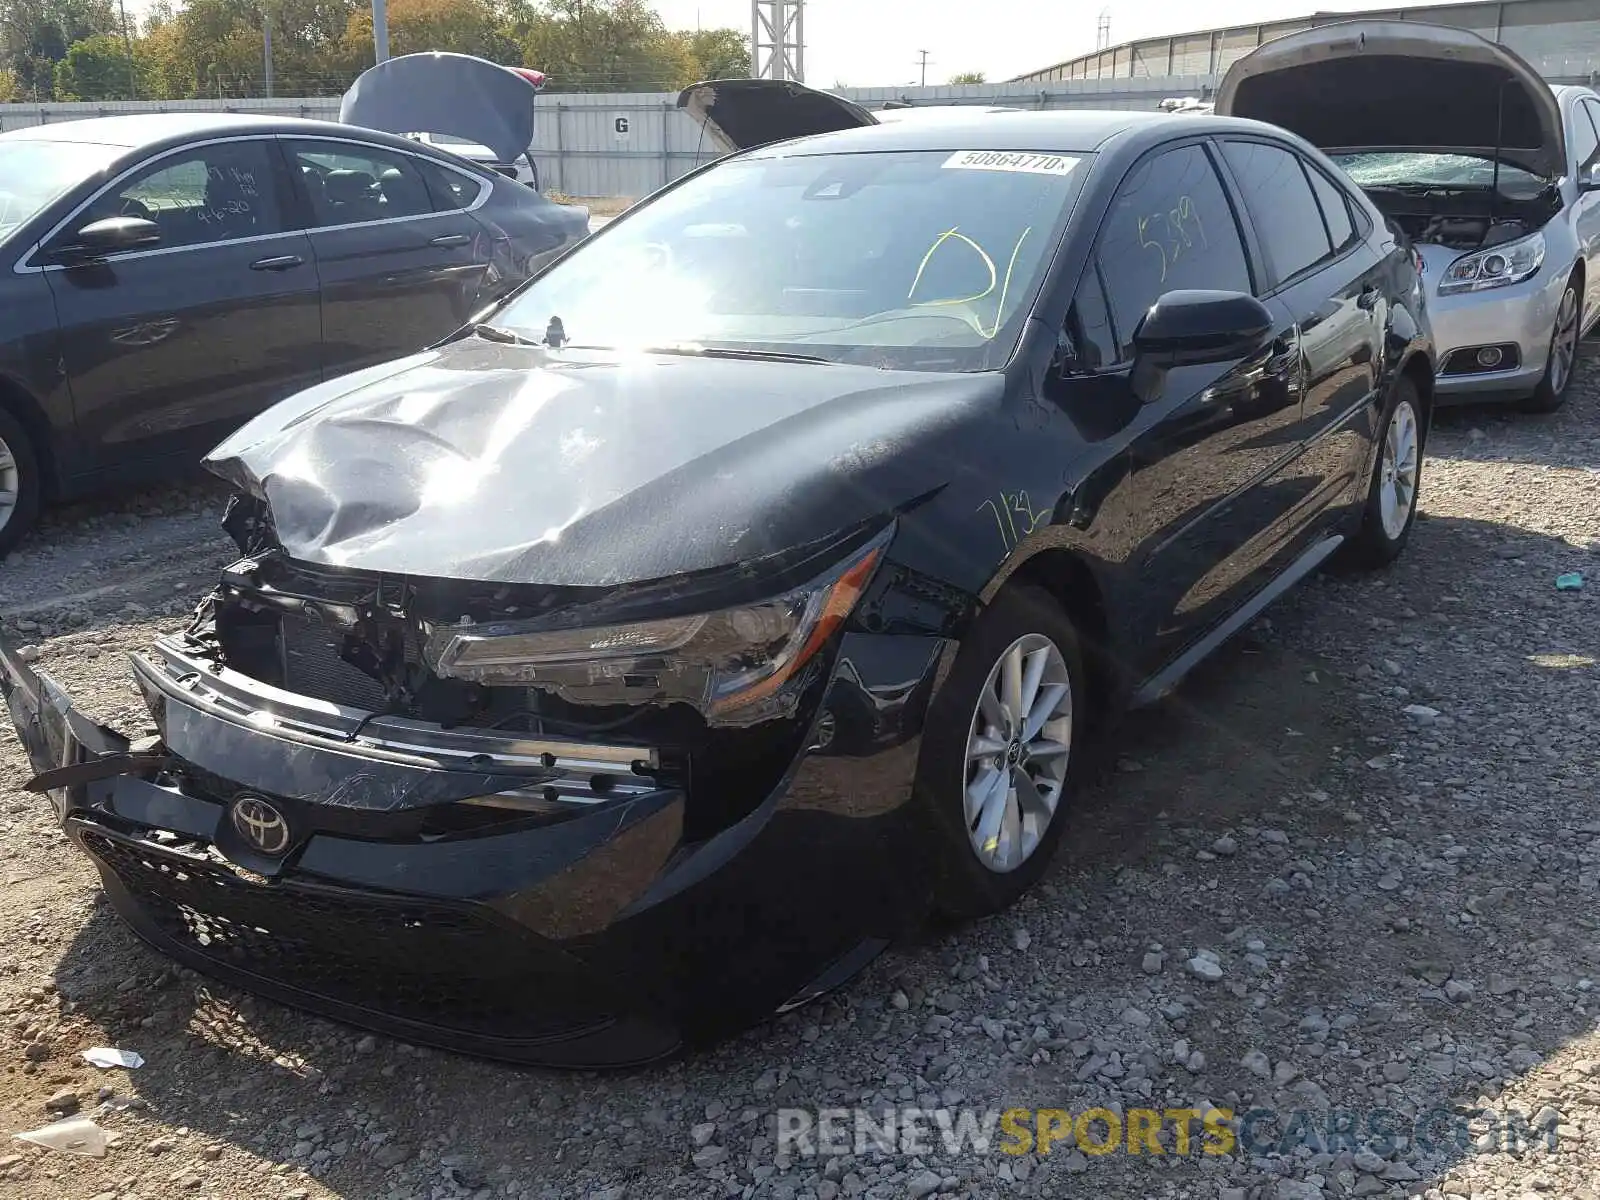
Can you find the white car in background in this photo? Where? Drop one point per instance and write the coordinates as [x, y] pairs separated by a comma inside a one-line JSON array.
[[523, 170], [1493, 175]]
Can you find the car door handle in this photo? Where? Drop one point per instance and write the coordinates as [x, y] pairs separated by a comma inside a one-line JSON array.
[[450, 239], [283, 262]]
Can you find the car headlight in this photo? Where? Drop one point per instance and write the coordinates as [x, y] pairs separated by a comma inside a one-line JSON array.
[[730, 663], [1509, 262]]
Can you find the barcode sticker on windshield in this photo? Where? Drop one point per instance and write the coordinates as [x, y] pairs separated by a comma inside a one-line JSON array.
[[1008, 160]]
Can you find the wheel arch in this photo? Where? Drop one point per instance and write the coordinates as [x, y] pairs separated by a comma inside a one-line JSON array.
[[1076, 588], [1419, 371], [30, 414]]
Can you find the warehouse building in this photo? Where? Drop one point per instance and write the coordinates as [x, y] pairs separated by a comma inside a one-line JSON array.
[[1560, 38]]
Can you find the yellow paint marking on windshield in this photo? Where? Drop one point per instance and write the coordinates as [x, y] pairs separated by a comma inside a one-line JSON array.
[[994, 278], [953, 232], [1005, 287]]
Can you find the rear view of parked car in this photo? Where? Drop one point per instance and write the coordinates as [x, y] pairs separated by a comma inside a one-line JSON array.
[[1494, 175], [456, 103], [165, 277]]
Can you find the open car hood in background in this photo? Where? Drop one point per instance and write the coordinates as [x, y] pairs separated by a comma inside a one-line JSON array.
[[742, 113], [454, 94], [1402, 86]]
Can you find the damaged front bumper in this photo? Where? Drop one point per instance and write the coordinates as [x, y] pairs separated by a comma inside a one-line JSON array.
[[534, 899]]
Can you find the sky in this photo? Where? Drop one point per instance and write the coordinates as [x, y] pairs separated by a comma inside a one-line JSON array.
[[878, 43]]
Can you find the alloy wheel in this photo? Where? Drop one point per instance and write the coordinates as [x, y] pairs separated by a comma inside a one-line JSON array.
[[10, 484], [1397, 472], [1564, 344], [1018, 748]]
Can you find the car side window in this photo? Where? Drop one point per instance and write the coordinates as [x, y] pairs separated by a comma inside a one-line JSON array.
[[1089, 325], [349, 184], [1169, 227], [1335, 207], [1586, 133], [1281, 205], [449, 190], [219, 192]]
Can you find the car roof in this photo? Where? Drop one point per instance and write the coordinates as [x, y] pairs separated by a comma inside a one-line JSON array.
[[1064, 131], [143, 129]]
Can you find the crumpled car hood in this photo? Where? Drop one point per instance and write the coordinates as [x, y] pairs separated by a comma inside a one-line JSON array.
[[504, 463]]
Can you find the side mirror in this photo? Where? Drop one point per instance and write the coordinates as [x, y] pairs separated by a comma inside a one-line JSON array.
[[1589, 178], [1184, 328], [111, 234]]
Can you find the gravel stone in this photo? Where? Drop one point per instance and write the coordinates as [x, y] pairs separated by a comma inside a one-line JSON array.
[[64, 1102]]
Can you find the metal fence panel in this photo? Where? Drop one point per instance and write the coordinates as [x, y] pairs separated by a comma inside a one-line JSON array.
[[630, 144]]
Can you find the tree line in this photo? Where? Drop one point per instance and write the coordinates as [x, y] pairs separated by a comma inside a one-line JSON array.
[[93, 50]]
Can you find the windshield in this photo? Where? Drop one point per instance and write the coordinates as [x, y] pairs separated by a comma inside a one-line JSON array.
[[914, 260], [33, 173], [1412, 169]]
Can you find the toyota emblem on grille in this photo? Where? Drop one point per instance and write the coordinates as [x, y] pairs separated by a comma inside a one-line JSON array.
[[261, 825]]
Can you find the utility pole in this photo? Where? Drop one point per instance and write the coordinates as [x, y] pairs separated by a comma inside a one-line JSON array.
[[127, 41], [924, 55], [266, 46], [380, 30]]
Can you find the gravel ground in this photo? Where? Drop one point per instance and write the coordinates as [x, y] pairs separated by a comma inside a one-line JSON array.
[[1352, 864]]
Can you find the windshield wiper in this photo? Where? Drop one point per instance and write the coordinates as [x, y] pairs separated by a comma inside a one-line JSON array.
[[695, 351], [506, 337]]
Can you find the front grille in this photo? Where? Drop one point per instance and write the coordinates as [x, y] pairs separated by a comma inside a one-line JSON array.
[[438, 966], [309, 650]]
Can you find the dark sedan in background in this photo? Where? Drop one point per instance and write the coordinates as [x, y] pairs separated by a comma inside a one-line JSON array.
[[636, 662], [164, 277]]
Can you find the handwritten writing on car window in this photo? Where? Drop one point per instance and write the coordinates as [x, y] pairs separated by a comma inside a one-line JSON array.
[[234, 177], [1014, 516], [1173, 233], [221, 212]]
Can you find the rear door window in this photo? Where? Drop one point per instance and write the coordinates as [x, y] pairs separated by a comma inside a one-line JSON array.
[[449, 190], [1170, 227], [1281, 205], [350, 184], [1335, 207]]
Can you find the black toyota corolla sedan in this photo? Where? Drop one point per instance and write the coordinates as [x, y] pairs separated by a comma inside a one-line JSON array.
[[755, 580], [164, 277]]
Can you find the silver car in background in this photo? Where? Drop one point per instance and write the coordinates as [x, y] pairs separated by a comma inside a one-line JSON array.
[[1494, 176]]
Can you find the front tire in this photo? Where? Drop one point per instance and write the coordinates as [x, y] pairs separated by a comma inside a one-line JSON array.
[[20, 482], [1001, 750], [1551, 393]]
